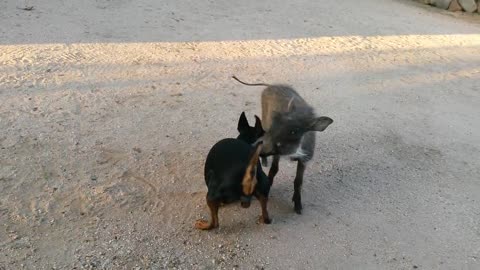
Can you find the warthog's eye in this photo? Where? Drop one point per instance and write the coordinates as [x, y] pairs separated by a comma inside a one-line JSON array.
[[293, 132]]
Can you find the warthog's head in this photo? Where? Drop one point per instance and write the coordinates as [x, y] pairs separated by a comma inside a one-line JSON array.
[[287, 129]]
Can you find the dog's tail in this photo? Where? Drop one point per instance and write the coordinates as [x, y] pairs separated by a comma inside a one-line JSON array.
[[249, 84], [210, 179]]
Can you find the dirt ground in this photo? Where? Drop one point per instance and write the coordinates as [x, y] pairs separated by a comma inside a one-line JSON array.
[[108, 109]]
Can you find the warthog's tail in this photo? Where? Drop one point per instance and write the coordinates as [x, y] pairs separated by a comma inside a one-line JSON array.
[[249, 84]]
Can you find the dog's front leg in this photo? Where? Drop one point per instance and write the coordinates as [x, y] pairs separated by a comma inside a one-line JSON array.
[[264, 218]]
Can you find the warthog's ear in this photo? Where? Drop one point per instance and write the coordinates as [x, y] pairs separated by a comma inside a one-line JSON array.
[[242, 123], [258, 127], [250, 178], [321, 123]]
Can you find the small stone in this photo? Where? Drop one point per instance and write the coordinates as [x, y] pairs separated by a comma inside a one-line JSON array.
[[454, 6], [35, 109], [468, 5], [415, 267], [93, 178]]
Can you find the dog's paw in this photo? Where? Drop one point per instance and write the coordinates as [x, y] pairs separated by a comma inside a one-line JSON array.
[[262, 220], [202, 224]]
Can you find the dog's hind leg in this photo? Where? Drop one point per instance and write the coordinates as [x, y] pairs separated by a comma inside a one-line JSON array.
[[204, 224]]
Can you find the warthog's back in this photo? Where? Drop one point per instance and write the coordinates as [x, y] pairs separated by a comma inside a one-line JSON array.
[[276, 98]]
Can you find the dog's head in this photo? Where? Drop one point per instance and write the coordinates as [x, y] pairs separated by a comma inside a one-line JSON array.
[[249, 134]]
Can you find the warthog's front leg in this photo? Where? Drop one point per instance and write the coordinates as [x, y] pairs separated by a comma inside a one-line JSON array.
[[297, 187]]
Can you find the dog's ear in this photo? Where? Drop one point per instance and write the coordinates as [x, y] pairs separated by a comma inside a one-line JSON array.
[[250, 178], [321, 123], [242, 123], [258, 127]]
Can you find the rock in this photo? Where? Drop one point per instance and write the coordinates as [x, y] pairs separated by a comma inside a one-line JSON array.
[[443, 4], [455, 6], [468, 5]]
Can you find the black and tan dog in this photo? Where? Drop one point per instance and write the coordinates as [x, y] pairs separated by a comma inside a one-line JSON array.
[[233, 172]]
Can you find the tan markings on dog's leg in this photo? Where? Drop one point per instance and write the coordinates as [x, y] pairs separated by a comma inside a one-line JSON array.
[[204, 224], [263, 203], [214, 212], [250, 178]]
